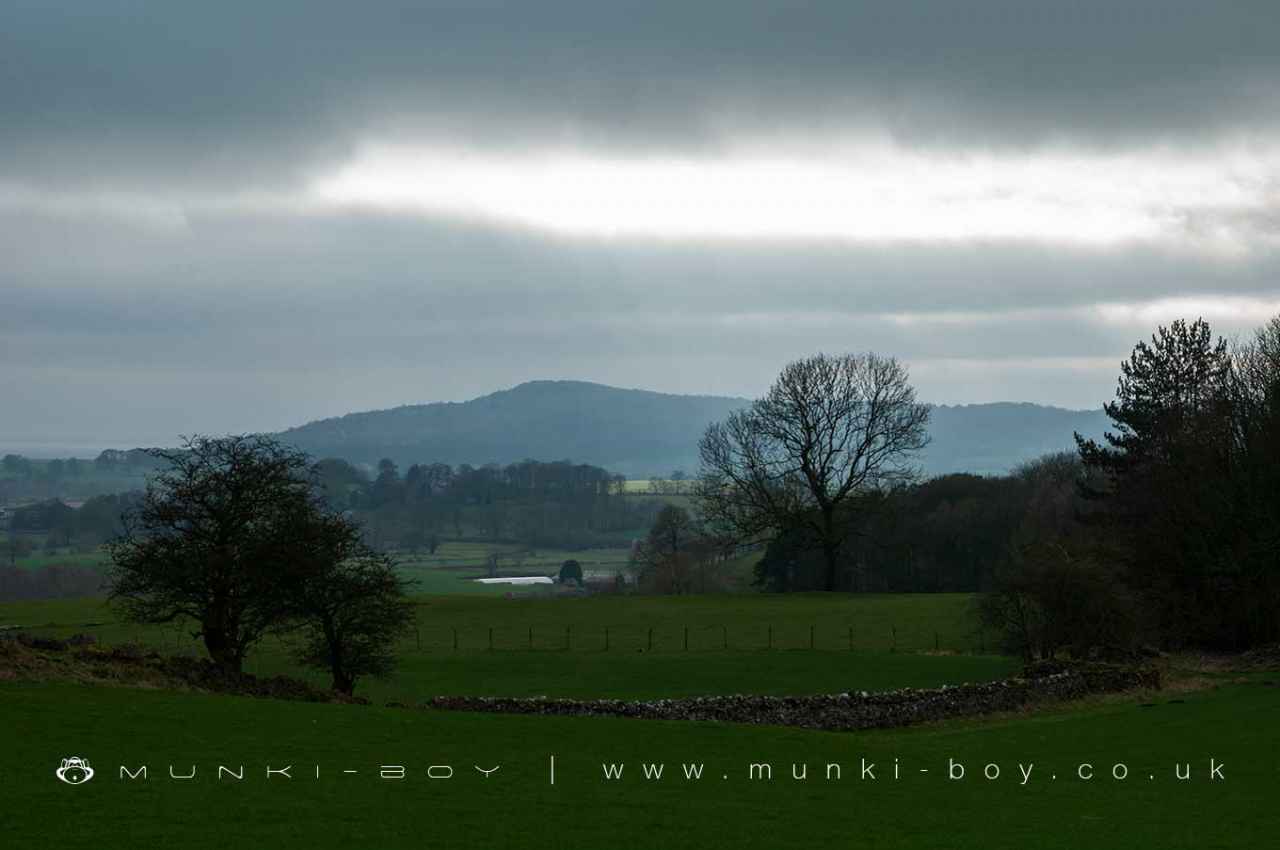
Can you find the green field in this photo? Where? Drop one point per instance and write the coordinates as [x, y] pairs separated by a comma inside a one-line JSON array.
[[1234, 723], [430, 666], [517, 807], [42, 558]]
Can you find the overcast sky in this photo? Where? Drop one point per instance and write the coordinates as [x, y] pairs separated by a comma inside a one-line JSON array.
[[239, 216]]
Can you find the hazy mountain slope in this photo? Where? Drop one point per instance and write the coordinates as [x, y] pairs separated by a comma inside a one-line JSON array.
[[994, 438], [634, 432], [640, 433]]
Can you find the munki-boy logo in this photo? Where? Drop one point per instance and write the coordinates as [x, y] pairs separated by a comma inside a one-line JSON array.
[[74, 771]]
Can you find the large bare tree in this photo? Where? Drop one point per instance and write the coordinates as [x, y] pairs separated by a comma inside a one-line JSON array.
[[830, 431]]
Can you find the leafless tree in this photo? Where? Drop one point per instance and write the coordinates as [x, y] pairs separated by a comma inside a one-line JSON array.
[[668, 557], [1255, 380], [830, 431]]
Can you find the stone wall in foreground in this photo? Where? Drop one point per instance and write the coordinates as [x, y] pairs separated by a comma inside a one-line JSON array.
[[846, 711]]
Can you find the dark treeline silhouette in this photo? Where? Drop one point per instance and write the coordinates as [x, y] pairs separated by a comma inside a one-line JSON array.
[[25, 479], [1176, 538], [96, 521], [1165, 533], [1187, 491], [543, 504], [557, 504], [954, 533]]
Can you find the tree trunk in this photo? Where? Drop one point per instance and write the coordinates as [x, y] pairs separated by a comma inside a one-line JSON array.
[[830, 549], [222, 651], [343, 683]]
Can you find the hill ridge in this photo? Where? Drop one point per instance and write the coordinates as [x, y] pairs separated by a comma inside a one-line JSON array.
[[641, 433]]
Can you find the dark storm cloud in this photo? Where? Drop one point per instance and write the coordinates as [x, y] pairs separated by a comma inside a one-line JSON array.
[[225, 270], [468, 309], [137, 283], [253, 92]]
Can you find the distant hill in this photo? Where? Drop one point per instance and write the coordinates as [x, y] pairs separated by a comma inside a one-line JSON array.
[[642, 434], [994, 438]]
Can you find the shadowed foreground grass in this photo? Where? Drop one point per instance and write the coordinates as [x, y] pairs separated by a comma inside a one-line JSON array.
[[517, 807]]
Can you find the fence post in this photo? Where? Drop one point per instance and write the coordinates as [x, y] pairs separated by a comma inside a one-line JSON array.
[[491, 637], [771, 637], [982, 640], [455, 638], [725, 630], [811, 645], [606, 638], [531, 637], [568, 637], [651, 638], [686, 638], [417, 633], [851, 637], [895, 638]]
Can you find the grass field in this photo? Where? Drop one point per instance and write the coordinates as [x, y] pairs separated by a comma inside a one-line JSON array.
[[1233, 723], [63, 557], [728, 644], [517, 807]]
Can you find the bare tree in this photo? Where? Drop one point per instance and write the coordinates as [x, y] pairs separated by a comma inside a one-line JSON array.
[[830, 431], [671, 553]]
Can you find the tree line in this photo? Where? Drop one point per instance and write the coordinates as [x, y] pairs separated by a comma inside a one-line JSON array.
[[1172, 537], [551, 504], [1165, 533], [112, 471], [950, 534], [556, 504], [95, 522]]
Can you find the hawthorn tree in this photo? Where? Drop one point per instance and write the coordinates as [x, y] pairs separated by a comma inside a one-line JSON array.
[[351, 606], [234, 535], [216, 541]]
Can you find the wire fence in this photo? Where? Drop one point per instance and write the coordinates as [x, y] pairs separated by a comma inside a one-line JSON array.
[[691, 638], [659, 638]]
